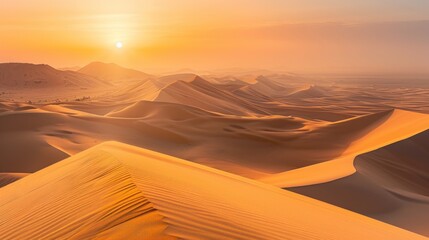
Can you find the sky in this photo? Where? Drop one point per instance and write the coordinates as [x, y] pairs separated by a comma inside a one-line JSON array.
[[366, 36]]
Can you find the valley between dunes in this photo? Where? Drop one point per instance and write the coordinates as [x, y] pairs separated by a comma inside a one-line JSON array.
[[107, 152]]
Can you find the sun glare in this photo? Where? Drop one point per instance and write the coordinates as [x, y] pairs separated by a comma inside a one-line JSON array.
[[119, 45]]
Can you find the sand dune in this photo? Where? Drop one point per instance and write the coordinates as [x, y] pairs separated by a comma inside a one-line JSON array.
[[112, 72], [230, 84], [390, 184], [147, 90], [375, 131], [56, 132], [317, 138], [32, 76], [203, 94], [270, 87], [22, 82], [7, 178], [206, 137], [312, 91], [169, 79], [118, 191], [400, 167], [176, 112]]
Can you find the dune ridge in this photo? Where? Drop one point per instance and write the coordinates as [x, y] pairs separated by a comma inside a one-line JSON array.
[[112, 72], [390, 184], [393, 127], [138, 196], [203, 94], [144, 109], [34, 76]]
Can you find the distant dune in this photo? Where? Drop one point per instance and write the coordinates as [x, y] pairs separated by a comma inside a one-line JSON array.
[[309, 92], [176, 112], [270, 88], [184, 131], [32, 76], [119, 191], [112, 72], [169, 79], [203, 94]]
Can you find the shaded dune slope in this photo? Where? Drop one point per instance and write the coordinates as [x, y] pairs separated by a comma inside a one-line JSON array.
[[7, 178], [142, 90], [308, 92], [401, 167], [118, 191], [391, 184], [146, 109]]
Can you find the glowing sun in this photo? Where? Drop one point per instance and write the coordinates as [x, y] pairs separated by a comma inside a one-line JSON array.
[[119, 45]]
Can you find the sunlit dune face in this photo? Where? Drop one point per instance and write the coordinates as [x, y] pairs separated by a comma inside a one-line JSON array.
[[119, 45]]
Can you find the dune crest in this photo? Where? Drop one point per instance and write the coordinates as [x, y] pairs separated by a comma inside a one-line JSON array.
[[7, 178], [24, 76], [387, 129], [112, 72], [140, 193], [390, 184]]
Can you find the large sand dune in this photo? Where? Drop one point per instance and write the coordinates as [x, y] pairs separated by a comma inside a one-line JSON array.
[[117, 191], [391, 184], [39, 83]]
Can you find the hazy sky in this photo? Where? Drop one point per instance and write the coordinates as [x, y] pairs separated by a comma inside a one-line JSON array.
[[293, 35]]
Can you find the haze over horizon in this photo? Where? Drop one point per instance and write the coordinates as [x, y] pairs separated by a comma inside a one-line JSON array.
[[336, 36]]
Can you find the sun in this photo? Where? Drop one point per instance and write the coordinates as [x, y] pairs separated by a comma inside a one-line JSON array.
[[119, 44]]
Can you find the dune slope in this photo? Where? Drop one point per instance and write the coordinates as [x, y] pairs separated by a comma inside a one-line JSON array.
[[373, 132], [203, 94], [118, 191], [7, 178], [391, 184]]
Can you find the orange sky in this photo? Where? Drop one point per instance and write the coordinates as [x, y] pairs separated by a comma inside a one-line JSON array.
[[302, 36]]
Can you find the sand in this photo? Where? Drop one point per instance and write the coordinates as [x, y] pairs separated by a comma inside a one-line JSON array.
[[382, 130], [8, 178], [120, 191], [390, 184], [356, 146], [112, 72]]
